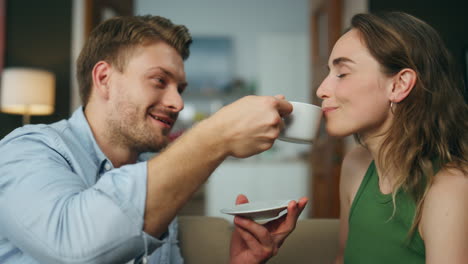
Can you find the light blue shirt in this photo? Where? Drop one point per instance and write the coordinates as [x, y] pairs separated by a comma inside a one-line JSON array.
[[62, 201]]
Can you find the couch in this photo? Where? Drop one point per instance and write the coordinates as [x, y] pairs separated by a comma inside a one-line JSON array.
[[205, 240]]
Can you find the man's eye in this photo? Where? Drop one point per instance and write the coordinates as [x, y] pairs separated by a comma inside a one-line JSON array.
[[159, 81]]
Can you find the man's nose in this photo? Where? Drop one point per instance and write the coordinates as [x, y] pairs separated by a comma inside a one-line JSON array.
[[173, 99]]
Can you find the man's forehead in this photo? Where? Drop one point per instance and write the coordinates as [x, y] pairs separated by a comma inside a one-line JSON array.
[[158, 56]]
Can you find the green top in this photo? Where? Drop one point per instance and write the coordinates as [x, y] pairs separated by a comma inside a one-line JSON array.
[[375, 236]]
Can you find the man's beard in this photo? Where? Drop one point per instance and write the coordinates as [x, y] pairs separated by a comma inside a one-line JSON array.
[[131, 132]]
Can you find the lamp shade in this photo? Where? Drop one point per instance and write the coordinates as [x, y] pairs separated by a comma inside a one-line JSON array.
[[27, 91]]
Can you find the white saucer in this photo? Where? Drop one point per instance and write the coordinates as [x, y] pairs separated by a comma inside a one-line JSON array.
[[260, 210]]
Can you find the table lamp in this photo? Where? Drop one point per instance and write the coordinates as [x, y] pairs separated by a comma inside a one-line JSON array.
[[27, 92]]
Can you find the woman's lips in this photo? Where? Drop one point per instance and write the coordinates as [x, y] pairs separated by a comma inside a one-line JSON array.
[[327, 110]]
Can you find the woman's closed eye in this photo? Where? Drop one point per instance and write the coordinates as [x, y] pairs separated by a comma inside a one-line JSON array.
[[341, 75]]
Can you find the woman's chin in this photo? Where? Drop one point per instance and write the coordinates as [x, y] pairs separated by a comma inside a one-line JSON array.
[[338, 132]]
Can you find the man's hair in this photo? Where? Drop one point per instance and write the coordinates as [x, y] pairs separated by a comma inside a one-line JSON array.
[[115, 39]]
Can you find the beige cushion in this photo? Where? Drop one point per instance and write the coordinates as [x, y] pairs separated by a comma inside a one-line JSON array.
[[206, 240], [313, 241]]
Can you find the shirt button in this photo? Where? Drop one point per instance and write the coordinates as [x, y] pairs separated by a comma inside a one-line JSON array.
[[107, 166]]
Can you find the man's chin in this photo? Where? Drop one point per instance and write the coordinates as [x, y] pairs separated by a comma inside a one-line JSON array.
[[151, 146], [158, 146]]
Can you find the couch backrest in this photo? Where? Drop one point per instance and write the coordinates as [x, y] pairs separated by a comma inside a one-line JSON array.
[[205, 240], [313, 241]]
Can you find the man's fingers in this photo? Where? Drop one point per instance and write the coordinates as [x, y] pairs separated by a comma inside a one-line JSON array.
[[292, 215], [249, 239], [281, 125], [302, 204], [284, 107], [241, 199], [259, 232], [262, 251], [297, 207], [294, 210]]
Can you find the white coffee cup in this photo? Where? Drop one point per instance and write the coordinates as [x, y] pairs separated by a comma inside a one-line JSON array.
[[302, 125]]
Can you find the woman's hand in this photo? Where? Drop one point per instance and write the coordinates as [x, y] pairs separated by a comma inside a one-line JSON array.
[[255, 243]]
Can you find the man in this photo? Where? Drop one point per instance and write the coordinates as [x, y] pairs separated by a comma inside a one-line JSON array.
[[76, 192]]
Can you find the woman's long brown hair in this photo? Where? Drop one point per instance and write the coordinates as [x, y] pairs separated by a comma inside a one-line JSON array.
[[430, 128]]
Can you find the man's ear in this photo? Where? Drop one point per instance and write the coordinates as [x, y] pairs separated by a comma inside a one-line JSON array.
[[403, 83], [101, 74]]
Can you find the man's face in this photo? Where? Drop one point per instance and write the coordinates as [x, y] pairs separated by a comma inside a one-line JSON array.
[[145, 98], [355, 93]]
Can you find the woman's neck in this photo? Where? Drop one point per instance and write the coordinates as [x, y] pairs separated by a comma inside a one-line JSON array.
[[373, 145]]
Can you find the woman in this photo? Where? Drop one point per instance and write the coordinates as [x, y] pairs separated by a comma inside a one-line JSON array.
[[404, 188]]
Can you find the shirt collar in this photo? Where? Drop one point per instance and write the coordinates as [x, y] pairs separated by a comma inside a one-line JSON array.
[[80, 127]]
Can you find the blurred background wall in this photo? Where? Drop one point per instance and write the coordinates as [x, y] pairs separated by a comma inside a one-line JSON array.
[[449, 18], [38, 35]]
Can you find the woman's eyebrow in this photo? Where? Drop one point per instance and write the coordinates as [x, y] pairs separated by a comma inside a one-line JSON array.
[[341, 60]]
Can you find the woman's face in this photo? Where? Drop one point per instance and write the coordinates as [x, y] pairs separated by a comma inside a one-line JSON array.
[[355, 93]]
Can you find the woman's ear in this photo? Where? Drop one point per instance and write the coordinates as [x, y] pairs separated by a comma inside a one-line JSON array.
[[100, 74], [404, 82]]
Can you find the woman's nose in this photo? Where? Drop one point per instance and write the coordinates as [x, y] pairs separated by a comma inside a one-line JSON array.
[[323, 91]]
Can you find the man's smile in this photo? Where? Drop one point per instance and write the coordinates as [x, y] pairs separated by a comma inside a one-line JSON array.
[[167, 121]]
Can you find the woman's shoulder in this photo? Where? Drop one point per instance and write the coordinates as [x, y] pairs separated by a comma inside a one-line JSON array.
[[449, 179], [448, 183], [448, 189], [445, 204], [354, 167]]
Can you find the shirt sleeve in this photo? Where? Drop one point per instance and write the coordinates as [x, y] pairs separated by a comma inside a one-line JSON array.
[[50, 213], [169, 253]]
